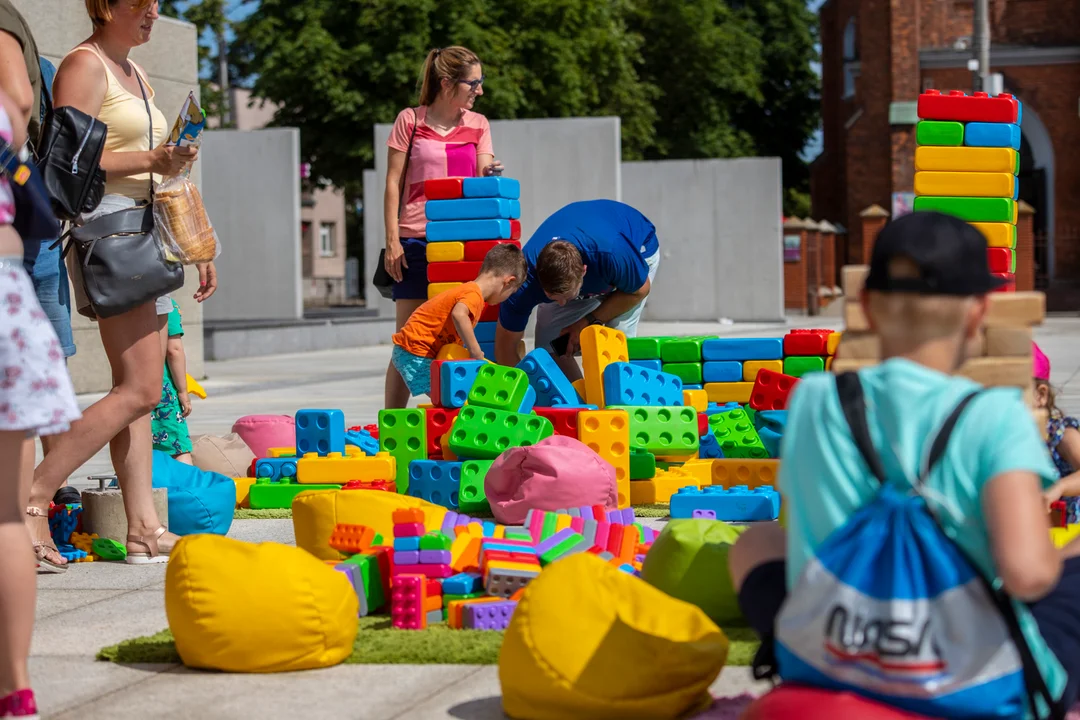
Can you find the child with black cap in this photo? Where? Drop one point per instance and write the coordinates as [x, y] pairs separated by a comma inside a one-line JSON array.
[[926, 297]]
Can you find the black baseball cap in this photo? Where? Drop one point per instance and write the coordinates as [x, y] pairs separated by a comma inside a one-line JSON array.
[[950, 254]]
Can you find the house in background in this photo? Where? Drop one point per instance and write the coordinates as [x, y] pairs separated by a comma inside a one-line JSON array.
[[322, 233], [876, 60]]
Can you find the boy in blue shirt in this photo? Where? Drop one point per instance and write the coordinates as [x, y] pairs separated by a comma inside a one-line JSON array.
[[926, 297], [592, 262]]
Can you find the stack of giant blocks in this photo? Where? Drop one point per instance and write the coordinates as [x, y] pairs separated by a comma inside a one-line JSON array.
[[966, 164], [466, 218], [471, 573]]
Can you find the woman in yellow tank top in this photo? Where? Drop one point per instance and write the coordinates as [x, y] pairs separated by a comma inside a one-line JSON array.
[[98, 78]]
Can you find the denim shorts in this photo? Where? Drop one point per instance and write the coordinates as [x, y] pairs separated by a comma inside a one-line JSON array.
[[49, 274], [414, 370], [413, 285]]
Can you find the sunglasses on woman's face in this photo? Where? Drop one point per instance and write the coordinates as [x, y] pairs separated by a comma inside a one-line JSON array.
[[473, 84]]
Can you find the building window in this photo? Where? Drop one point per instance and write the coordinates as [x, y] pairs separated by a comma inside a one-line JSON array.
[[851, 58], [326, 240]]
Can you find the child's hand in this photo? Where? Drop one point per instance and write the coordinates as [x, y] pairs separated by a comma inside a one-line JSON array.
[[185, 403], [478, 355], [1052, 495]]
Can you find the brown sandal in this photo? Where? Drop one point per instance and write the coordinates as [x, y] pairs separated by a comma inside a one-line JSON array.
[[42, 549], [153, 554]]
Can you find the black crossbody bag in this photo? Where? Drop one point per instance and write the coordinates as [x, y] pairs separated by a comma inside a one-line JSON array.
[[382, 280], [121, 260]]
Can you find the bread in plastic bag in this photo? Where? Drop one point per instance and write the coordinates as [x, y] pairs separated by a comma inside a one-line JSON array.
[[183, 226]]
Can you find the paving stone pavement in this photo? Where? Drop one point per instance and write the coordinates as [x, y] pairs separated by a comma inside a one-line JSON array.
[[98, 604]]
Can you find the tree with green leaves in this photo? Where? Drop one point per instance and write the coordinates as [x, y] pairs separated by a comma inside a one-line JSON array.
[[210, 18]]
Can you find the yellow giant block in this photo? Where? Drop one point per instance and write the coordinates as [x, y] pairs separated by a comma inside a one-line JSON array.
[[336, 468], [964, 159], [600, 346], [724, 392], [445, 252], [750, 368], [607, 432], [965, 184], [1002, 235], [434, 289]]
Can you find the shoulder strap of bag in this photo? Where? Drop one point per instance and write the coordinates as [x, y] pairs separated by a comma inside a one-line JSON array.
[[150, 116], [405, 171], [853, 404]]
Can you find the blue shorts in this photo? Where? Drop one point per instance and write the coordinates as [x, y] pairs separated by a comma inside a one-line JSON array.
[[414, 370], [49, 274], [413, 285]]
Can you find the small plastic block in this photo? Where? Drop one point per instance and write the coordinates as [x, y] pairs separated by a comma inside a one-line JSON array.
[[471, 495], [504, 582], [722, 371], [431, 571], [484, 433], [334, 469], [737, 436], [795, 366], [965, 159], [411, 529], [517, 533], [1002, 260], [742, 349], [1002, 235], [280, 496], [564, 420], [442, 189], [807, 342], [642, 464], [457, 380], [647, 348], [407, 597], [406, 557], [690, 373], [435, 541], [407, 543], [473, 209], [451, 230], [970, 209], [664, 431], [445, 252], [736, 504], [600, 346], [488, 616], [628, 384], [485, 187], [476, 251], [462, 584], [435, 557], [380, 485], [363, 440], [320, 431], [403, 434], [993, 135], [939, 132], [966, 184], [750, 472], [439, 421], [682, 350], [730, 392], [275, 469], [979, 107], [465, 553], [709, 447], [457, 272], [436, 481], [351, 539], [499, 388]]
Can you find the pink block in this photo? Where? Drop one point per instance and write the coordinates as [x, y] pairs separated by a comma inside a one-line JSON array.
[[603, 530], [407, 602], [409, 530], [537, 524], [577, 524], [431, 571]]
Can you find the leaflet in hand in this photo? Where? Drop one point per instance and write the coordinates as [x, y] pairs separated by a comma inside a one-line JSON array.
[[189, 126]]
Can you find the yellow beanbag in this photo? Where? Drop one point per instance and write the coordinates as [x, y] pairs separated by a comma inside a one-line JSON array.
[[588, 640], [242, 607], [316, 514]]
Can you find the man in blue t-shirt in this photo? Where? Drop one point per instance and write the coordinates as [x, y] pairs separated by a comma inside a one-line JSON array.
[[592, 262]]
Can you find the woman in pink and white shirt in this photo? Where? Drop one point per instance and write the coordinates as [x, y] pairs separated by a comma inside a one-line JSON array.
[[448, 140]]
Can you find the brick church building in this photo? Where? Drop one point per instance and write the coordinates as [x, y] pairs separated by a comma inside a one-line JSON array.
[[878, 55]]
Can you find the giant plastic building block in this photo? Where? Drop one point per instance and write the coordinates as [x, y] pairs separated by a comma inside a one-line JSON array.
[[645, 348], [1002, 260], [966, 184], [484, 433], [664, 431], [442, 188], [407, 599], [992, 135], [742, 349], [709, 446], [485, 332], [771, 390], [744, 471], [564, 420], [736, 504], [751, 368], [689, 373], [436, 481], [798, 365], [600, 346], [484, 187], [275, 468], [682, 350], [363, 440], [971, 209], [607, 432], [979, 107], [459, 272], [477, 250], [489, 615], [696, 398], [451, 230], [966, 160], [280, 496], [999, 234], [312, 469], [499, 388], [457, 380], [553, 388], [939, 132], [436, 289], [722, 371], [736, 434], [445, 252], [403, 434], [473, 209], [320, 431], [472, 497], [628, 384], [439, 420], [807, 342], [729, 392]]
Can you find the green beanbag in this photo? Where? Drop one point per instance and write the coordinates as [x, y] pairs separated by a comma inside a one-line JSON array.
[[689, 561]]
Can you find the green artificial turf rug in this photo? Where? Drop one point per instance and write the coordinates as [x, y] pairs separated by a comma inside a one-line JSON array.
[[655, 510], [378, 643], [271, 514]]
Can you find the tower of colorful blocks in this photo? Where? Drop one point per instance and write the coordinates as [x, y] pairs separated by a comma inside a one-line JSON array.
[[966, 164], [466, 218]]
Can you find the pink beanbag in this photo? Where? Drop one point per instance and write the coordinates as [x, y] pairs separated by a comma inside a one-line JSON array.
[[799, 702], [558, 472], [262, 432]]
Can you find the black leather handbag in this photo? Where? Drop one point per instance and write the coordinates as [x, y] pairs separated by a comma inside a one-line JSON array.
[[69, 158], [122, 263]]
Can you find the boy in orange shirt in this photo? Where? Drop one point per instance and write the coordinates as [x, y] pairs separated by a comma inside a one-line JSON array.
[[450, 317]]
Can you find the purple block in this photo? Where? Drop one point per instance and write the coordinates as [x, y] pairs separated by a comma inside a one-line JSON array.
[[434, 557], [449, 520], [586, 512], [406, 557], [488, 616], [704, 514], [461, 520], [554, 540], [627, 516], [614, 516]]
